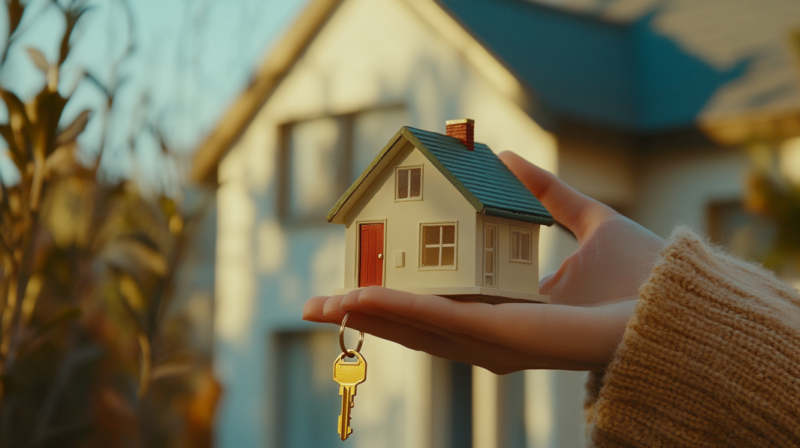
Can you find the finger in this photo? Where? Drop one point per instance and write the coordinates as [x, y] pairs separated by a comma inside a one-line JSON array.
[[332, 309], [494, 358], [434, 340], [499, 353], [326, 309], [545, 282], [313, 309], [428, 342], [576, 211], [404, 331], [554, 331]]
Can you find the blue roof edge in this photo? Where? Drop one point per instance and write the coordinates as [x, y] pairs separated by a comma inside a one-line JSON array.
[[535, 219]]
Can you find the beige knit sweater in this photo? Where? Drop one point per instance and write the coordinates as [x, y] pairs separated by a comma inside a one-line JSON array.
[[711, 358]]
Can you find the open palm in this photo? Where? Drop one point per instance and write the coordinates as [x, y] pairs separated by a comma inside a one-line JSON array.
[[592, 295]]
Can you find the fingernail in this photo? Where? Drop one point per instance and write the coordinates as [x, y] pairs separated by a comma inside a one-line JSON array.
[[327, 311], [350, 300]]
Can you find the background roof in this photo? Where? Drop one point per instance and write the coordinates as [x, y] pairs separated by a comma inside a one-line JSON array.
[[649, 71], [481, 175], [726, 67]]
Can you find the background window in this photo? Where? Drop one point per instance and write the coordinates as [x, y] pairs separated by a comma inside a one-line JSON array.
[[520, 245], [451, 404], [745, 234], [409, 183], [308, 399], [321, 157], [438, 245], [317, 166], [372, 130]]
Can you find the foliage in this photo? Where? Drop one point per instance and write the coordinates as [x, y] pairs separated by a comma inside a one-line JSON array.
[[94, 349], [775, 197]]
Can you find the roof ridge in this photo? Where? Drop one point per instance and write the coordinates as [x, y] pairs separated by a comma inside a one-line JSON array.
[[506, 197], [518, 200]]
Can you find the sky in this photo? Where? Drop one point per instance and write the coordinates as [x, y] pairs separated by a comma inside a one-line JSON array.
[[189, 61]]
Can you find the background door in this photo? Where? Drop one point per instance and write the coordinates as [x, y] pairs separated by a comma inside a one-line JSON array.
[[370, 260]]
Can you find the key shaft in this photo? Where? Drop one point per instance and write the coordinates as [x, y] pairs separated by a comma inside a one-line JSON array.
[[344, 417], [349, 375]]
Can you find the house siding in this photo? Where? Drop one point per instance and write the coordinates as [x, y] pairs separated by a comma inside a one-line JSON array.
[[511, 276], [369, 54], [441, 203]]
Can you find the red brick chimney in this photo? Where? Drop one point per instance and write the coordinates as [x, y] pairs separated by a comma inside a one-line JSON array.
[[464, 130]]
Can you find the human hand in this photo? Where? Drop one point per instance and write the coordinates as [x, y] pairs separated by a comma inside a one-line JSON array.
[[592, 295], [614, 255]]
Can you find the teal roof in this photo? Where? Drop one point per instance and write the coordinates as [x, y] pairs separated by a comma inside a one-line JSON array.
[[479, 175], [627, 76]]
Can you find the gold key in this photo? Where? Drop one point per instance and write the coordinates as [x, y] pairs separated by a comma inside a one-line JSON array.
[[348, 375]]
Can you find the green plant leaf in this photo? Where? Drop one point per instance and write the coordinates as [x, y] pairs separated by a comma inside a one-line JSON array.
[[74, 129], [131, 292], [49, 105], [62, 161], [72, 15], [17, 131], [64, 316], [18, 115], [15, 152], [15, 10], [171, 370], [132, 255], [97, 83], [38, 59], [9, 382]]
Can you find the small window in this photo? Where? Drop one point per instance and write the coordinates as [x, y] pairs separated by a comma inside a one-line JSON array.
[[490, 256], [744, 233], [315, 168], [521, 246], [320, 157], [304, 361], [438, 246], [409, 184]]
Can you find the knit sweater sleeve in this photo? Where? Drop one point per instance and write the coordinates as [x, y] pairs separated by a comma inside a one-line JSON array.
[[710, 358]]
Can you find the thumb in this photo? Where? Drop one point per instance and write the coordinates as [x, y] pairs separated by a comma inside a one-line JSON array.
[[546, 283]]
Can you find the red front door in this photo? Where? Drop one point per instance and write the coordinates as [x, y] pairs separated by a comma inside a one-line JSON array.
[[370, 260]]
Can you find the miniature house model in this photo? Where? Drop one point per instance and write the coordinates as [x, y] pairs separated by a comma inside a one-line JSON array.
[[440, 214]]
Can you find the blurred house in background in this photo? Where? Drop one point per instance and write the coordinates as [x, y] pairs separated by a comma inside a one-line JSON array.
[[642, 104]]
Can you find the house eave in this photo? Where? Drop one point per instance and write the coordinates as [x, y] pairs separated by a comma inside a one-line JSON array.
[[244, 109], [535, 219], [338, 212]]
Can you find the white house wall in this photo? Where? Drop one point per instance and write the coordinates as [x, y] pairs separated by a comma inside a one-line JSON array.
[[677, 187], [604, 172], [370, 53], [511, 276], [441, 203]]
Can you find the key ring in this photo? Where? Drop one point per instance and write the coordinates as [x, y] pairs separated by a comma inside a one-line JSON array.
[[345, 351]]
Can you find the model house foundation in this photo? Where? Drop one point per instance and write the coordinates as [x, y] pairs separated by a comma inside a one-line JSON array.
[[440, 214]]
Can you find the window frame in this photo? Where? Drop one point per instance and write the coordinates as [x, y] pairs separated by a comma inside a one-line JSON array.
[[397, 183], [495, 251], [286, 160], [511, 245], [441, 245]]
